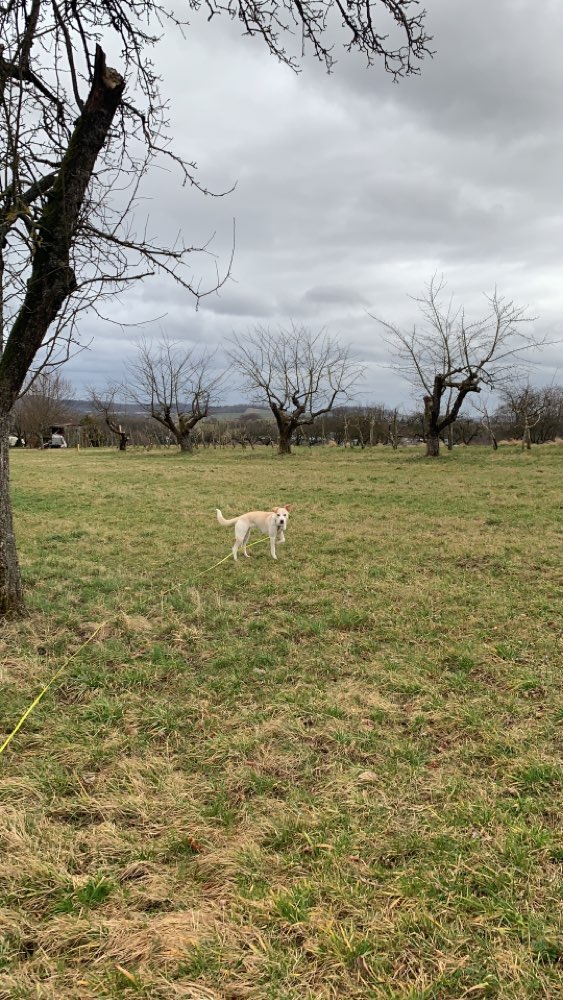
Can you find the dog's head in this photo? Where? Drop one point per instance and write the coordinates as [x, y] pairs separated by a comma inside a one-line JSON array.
[[282, 515]]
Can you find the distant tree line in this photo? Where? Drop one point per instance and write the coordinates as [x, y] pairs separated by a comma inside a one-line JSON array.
[[307, 381], [525, 413]]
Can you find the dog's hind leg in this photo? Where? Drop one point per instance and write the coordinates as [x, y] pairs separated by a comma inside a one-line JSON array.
[[244, 541], [241, 538]]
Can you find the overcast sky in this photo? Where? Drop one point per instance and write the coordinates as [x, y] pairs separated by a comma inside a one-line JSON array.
[[351, 191]]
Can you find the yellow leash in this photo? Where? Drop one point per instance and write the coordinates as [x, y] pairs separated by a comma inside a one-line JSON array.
[[58, 673], [29, 710], [221, 561]]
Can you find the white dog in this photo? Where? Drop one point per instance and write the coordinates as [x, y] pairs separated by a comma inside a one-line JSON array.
[[270, 522]]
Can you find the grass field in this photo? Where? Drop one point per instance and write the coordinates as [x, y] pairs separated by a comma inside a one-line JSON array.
[[337, 775]]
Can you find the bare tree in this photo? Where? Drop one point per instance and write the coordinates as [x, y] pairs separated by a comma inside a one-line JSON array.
[[488, 425], [76, 148], [374, 424], [300, 374], [176, 384], [550, 424], [449, 357], [466, 429], [528, 406], [44, 404], [105, 403]]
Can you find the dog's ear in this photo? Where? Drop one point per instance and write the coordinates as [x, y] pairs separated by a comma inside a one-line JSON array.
[[288, 506]]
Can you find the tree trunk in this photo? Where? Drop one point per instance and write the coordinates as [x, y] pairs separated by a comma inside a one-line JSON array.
[[285, 430], [284, 443], [432, 445], [394, 432], [487, 423], [52, 278], [186, 443], [431, 415], [51, 281], [11, 589]]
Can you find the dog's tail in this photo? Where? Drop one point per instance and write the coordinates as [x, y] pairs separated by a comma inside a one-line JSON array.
[[223, 521]]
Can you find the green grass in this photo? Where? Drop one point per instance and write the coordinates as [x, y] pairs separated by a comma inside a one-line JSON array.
[[337, 775]]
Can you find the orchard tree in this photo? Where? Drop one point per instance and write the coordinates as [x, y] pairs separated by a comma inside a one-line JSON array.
[[77, 140], [175, 384], [449, 357], [533, 409], [299, 374], [105, 404]]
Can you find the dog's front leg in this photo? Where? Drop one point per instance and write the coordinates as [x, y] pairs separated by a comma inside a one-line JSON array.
[[273, 546], [281, 537]]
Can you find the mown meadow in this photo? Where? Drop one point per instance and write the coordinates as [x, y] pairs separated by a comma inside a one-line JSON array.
[[338, 775]]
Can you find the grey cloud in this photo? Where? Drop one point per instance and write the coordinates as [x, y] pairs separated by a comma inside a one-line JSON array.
[[334, 295], [234, 303]]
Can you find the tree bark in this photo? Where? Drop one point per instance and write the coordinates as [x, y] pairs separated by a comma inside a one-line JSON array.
[[11, 588]]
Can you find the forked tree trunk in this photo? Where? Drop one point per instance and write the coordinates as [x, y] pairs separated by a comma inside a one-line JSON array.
[[11, 589], [119, 433]]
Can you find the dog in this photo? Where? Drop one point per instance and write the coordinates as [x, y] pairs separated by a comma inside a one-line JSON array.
[[269, 522]]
